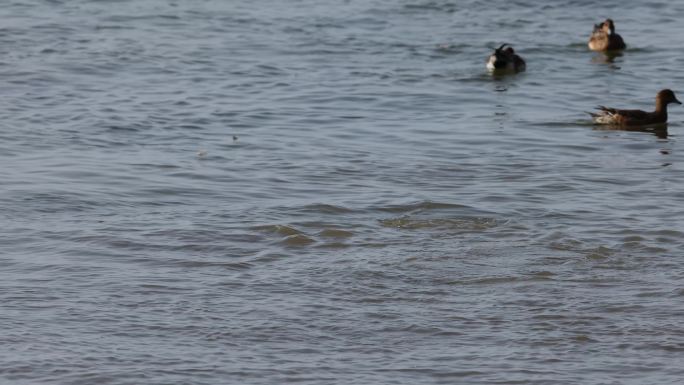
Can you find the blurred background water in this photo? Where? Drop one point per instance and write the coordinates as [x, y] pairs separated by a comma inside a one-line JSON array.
[[336, 192]]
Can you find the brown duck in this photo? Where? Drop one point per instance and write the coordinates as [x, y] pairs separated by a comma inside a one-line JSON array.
[[617, 117], [604, 38]]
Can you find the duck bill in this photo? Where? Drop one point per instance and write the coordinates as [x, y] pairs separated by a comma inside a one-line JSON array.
[[677, 101]]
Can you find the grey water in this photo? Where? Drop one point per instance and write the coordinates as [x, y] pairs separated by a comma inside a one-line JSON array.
[[337, 192]]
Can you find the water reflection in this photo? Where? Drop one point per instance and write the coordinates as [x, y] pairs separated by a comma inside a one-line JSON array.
[[502, 80], [659, 130], [606, 57]]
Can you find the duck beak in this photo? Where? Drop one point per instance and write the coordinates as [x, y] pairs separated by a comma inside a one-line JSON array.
[[677, 101]]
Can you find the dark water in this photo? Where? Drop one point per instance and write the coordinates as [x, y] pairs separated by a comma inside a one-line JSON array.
[[324, 192]]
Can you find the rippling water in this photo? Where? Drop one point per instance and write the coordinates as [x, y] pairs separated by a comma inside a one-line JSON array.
[[324, 192]]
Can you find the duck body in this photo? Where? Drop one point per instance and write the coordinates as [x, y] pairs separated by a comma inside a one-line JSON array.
[[614, 116], [505, 60], [604, 38], [617, 117]]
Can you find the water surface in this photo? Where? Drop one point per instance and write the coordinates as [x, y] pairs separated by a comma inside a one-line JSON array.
[[326, 192]]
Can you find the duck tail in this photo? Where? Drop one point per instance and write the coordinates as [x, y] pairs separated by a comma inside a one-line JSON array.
[[606, 109]]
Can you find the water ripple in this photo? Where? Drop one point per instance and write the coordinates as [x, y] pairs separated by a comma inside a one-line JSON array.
[[335, 192]]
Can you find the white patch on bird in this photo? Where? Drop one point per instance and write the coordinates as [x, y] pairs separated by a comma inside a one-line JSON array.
[[490, 63], [605, 118]]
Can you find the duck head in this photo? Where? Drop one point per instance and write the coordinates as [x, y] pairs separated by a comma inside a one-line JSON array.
[[608, 26], [666, 97]]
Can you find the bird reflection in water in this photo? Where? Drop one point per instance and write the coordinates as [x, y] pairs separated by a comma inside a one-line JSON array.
[[659, 130], [606, 58]]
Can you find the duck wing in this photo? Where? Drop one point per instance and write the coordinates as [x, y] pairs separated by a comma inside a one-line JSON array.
[[635, 115], [604, 112], [607, 115], [519, 63], [616, 42]]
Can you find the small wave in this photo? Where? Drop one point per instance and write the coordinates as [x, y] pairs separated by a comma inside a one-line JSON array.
[[323, 208], [450, 48], [297, 240], [334, 245], [212, 264], [600, 252], [463, 224], [278, 229], [291, 237], [420, 206], [335, 233], [117, 127], [439, 6]]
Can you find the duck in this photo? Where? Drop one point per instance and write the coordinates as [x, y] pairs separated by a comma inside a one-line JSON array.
[[604, 38], [505, 60], [613, 116]]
